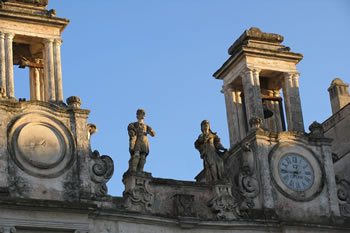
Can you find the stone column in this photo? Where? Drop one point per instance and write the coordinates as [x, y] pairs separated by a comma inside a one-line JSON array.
[[31, 83], [252, 94], [292, 102], [242, 122], [35, 92], [231, 115], [58, 70], [277, 112], [42, 84], [2, 63], [10, 88], [49, 71]]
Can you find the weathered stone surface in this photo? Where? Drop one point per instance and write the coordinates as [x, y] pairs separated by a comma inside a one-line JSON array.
[[138, 142], [211, 150], [52, 181], [33, 2], [137, 194], [258, 69], [339, 94]]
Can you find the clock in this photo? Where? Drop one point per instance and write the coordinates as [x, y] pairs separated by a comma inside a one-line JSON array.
[[40, 145], [296, 171]]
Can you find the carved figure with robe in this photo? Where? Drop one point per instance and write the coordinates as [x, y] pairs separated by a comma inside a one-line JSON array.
[[211, 150]]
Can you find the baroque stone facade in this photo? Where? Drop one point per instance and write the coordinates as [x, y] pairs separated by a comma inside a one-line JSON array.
[[275, 177]]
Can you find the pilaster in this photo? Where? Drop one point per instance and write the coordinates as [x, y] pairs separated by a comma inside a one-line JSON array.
[[292, 102], [252, 96], [10, 89], [50, 70], [58, 70], [2, 63], [235, 115], [34, 83]]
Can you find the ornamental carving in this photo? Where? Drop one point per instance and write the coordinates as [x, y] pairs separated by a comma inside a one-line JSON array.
[[247, 181], [316, 130], [343, 193], [102, 169], [137, 195], [184, 205], [224, 204]]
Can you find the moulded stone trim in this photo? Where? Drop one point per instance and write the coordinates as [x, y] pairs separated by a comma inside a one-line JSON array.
[[56, 143], [284, 148]]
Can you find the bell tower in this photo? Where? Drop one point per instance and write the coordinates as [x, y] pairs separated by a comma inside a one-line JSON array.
[[261, 81], [45, 150], [274, 163], [30, 37]]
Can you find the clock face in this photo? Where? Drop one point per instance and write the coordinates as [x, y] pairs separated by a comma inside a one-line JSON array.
[[296, 172]]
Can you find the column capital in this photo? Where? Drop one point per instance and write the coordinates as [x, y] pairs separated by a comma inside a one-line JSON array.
[[292, 78], [48, 40], [291, 74], [2, 35], [10, 35], [227, 88], [58, 42], [249, 70], [276, 93]]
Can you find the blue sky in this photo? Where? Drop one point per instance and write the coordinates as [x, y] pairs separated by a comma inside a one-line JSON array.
[[160, 55]]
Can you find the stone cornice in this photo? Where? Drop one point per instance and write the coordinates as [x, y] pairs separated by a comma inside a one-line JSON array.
[[34, 18], [256, 52], [336, 118], [51, 107]]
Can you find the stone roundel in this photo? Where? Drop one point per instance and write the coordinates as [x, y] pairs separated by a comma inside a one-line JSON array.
[[41, 146], [311, 162]]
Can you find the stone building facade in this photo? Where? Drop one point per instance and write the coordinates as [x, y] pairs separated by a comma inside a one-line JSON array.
[[276, 178]]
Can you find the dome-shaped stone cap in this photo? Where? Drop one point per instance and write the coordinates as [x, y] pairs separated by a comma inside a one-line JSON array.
[[337, 82]]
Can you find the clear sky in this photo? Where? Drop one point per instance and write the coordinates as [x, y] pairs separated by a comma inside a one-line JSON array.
[[160, 55]]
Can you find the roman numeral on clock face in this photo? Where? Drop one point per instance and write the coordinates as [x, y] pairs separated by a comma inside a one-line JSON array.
[[296, 172]]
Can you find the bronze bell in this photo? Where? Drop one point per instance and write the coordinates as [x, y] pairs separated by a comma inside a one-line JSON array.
[[267, 112]]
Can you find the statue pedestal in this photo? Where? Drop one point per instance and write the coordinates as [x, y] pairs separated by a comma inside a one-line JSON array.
[[137, 195]]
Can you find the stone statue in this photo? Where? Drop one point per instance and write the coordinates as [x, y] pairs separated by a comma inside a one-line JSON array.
[[138, 142], [211, 150]]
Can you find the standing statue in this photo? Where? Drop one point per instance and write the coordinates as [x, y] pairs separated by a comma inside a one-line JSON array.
[[211, 150], [138, 142]]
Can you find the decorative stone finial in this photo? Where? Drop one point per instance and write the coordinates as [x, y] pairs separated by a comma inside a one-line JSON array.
[[316, 130], [74, 102], [255, 122], [92, 128]]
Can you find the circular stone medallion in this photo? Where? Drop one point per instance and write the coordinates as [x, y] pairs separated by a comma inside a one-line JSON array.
[[296, 171], [40, 145]]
